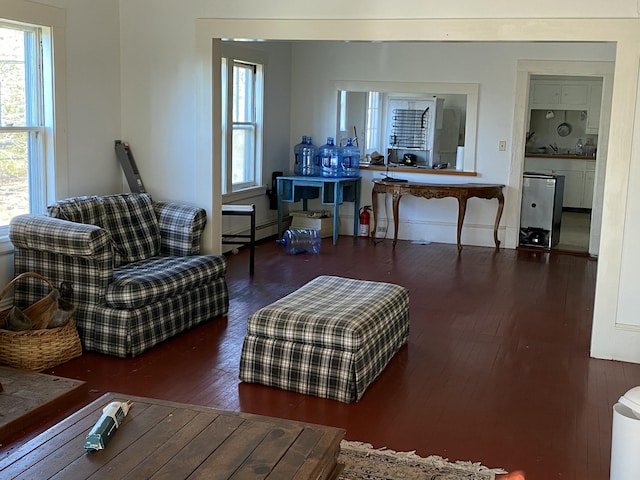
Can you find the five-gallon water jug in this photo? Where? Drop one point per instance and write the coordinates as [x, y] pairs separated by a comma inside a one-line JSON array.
[[349, 157], [297, 156], [308, 155], [328, 156], [305, 240]]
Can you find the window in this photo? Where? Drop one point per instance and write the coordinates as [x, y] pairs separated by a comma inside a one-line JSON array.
[[23, 70], [373, 121], [242, 124]]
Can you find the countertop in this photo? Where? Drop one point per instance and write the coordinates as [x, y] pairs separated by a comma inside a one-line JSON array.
[[550, 155]]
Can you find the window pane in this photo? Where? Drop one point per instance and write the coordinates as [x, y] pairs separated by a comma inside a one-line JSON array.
[[372, 132], [14, 175], [13, 98], [243, 153], [242, 93]]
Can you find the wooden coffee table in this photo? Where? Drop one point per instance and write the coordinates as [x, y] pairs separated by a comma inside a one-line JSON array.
[[170, 440]]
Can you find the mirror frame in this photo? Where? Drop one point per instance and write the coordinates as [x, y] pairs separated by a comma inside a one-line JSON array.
[[471, 90]]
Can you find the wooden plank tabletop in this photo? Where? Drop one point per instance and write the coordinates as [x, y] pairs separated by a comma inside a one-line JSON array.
[[166, 440]]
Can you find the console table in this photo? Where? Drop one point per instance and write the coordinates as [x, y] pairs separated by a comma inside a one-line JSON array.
[[332, 191], [162, 439], [461, 191]]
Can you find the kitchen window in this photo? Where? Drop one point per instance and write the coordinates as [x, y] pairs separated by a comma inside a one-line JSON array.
[[25, 97], [243, 98]]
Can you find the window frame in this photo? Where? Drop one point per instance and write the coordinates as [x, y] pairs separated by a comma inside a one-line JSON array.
[[232, 56], [34, 125], [54, 159]]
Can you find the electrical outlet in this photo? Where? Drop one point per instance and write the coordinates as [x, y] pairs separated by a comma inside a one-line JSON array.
[[502, 146], [381, 229]]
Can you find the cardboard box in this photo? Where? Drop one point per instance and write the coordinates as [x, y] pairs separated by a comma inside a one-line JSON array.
[[321, 220]]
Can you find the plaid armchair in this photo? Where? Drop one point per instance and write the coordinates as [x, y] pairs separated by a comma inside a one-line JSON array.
[[134, 264]]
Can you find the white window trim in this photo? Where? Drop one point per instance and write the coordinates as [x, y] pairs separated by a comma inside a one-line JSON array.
[[55, 122], [229, 53]]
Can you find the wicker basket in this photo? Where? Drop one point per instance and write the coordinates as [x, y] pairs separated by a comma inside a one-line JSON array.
[[39, 349]]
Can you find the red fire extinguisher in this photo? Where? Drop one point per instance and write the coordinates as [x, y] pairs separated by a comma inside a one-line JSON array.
[[364, 221]]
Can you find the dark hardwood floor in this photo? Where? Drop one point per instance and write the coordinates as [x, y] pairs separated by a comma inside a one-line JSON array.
[[497, 367]]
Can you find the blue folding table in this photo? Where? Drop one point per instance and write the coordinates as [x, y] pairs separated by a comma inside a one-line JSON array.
[[331, 191]]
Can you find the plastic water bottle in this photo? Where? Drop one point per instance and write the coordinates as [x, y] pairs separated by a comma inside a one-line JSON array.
[[308, 155], [349, 157], [306, 240], [328, 153], [297, 156]]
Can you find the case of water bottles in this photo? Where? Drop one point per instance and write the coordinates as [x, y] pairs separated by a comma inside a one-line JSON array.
[[329, 160], [321, 220]]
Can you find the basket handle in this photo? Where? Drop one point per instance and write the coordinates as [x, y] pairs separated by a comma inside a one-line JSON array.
[[20, 277]]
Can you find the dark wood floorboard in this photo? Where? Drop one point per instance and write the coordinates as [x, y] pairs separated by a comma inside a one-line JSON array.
[[497, 367]]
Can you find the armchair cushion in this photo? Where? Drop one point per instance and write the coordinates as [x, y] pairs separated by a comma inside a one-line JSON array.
[[143, 283], [132, 222], [129, 218]]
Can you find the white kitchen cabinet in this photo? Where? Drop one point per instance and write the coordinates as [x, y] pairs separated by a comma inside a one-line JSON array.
[[544, 94], [593, 110], [589, 181], [573, 188], [558, 95]]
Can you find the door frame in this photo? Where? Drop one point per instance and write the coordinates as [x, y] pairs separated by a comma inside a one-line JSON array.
[[525, 69]]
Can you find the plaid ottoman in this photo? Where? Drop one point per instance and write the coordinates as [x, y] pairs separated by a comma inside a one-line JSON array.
[[331, 338]]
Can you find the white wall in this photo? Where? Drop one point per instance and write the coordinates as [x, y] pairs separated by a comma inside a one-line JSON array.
[[93, 95]]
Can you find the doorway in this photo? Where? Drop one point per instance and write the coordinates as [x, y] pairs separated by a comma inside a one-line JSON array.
[[561, 142], [554, 94]]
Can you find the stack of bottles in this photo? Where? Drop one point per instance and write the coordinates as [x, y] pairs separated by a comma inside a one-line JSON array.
[[329, 160]]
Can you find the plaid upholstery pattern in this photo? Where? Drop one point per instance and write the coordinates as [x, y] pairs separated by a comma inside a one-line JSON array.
[[79, 209], [180, 228], [125, 333], [117, 316], [143, 283], [331, 338], [130, 219]]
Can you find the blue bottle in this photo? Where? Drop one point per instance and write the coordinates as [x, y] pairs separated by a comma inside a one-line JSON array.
[[305, 240], [349, 157], [328, 155], [297, 156], [308, 159]]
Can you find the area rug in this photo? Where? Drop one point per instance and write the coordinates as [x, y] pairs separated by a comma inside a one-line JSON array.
[[361, 461]]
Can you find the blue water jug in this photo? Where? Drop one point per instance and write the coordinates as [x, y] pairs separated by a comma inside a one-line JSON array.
[[328, 155], [305, 240], [308, 159], [297, 156], [349, 159]]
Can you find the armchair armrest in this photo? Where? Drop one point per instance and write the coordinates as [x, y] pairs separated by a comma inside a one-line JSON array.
[[180, 228], [61, 250], [56, 236]]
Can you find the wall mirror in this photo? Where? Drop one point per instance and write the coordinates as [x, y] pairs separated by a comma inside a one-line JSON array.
[[424, 125]]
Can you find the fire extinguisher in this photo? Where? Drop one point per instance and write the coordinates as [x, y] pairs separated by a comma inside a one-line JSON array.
[[364, 221]]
